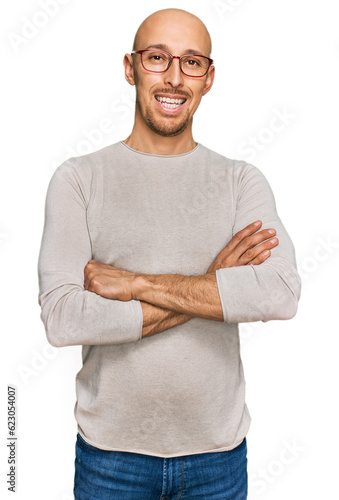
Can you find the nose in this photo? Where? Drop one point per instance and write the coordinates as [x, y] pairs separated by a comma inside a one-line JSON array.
[[174, 76]]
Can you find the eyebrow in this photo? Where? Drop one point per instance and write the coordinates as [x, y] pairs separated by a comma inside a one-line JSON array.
[[162, 46]]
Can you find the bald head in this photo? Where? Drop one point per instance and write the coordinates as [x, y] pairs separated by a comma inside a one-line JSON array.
[[171, 22]]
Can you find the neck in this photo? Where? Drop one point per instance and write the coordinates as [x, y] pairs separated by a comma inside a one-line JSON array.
[[145, 140]]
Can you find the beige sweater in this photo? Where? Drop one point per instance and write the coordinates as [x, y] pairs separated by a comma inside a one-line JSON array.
[[181, 391]]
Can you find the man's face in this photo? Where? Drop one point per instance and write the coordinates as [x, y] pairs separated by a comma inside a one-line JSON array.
[[177, 35]]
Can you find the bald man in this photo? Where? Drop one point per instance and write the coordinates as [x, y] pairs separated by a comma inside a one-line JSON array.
[[154, 249]]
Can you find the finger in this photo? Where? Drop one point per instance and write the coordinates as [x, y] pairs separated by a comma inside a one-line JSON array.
[[237, 239], [260, 258], [96, 264], [92, 270], [258, 254], [101, 265], [255, 239], [88, 279], [247, 243], [89, 267], [243, 233], [85, 278]]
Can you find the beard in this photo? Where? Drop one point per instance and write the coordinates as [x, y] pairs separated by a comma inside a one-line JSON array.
[[166, 129], [166, 126]]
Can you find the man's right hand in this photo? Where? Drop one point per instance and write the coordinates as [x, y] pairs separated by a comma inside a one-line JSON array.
[[246, 247]]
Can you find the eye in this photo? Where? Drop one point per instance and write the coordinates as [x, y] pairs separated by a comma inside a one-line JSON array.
[[155, 56], [193, 62]]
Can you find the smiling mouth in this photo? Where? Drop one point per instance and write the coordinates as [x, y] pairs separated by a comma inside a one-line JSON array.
[[169, 103]]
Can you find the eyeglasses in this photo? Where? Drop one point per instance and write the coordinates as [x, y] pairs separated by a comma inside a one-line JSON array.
[[158, 61]]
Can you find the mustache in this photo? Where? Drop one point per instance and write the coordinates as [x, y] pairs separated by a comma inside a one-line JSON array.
[[172, 91]]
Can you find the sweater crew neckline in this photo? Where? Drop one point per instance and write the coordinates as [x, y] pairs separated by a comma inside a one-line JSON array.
[[158, 155]]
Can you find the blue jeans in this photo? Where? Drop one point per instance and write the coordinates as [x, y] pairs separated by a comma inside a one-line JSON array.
[[120, 475]]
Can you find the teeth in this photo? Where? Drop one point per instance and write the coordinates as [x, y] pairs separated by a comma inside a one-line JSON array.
[[167, 100]]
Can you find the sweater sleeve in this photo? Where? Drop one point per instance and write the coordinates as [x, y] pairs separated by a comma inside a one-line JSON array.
[[271, 290], [71, 314]]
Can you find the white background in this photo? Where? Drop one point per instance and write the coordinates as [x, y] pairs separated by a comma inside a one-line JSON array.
[[59, 82]]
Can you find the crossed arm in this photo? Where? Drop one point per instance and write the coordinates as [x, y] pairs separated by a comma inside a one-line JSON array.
[[168, 300], [242, 284]]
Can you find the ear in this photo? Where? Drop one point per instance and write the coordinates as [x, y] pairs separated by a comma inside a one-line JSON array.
[[209, 80], [129, 71]]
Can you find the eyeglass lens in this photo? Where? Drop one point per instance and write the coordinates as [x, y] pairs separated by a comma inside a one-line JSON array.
[[159, 61]]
